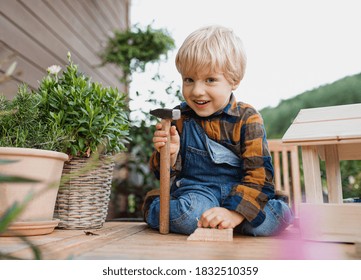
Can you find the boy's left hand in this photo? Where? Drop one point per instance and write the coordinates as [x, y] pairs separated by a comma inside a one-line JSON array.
[[219, 217]]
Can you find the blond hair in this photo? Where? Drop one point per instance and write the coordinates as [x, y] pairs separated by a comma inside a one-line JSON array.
[[214, 47]]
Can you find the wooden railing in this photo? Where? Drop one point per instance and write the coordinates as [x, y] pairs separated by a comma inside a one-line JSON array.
[[287, 171]]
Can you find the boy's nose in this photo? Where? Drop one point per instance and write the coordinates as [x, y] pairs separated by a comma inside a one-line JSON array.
[[198, 89]]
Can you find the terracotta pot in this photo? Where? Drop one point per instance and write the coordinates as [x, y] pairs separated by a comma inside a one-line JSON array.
[[42, 165]]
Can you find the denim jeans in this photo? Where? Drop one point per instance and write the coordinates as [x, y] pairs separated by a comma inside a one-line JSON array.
[[208, 174]]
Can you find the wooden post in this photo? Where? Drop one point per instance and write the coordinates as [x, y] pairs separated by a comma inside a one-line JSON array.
[[333, 174], [312, 174]]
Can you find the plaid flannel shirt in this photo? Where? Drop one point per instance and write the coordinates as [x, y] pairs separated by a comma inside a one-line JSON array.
[[239, 127]]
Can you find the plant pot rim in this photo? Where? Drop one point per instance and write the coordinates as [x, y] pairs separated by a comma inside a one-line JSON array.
[[33, 152]]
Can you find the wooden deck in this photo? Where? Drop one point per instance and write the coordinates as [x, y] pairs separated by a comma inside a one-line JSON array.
[[135, 241]]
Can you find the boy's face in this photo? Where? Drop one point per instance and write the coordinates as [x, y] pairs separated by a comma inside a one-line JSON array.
[[206, 92]]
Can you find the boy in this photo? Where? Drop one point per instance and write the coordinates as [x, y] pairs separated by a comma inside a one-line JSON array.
[[223, 175]]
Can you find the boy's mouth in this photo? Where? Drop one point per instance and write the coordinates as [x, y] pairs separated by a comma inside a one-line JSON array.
[[201, 102]]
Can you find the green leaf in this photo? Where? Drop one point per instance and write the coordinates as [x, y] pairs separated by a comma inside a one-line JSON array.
[[7, 161], [15, 179]]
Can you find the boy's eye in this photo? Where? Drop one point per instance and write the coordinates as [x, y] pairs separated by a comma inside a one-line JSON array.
[[210, 80], [187, 80]]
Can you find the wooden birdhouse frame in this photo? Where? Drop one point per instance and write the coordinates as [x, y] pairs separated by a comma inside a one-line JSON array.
[[330, 134]]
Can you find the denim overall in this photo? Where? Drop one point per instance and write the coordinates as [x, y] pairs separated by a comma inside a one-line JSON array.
[[209, 172]]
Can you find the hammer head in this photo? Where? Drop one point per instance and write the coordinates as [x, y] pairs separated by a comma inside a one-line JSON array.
[[162, 113]]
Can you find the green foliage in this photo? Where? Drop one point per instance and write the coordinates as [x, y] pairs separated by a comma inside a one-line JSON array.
[[23, 124], [133, 48], [351, 178], [140, 179], [67, 113], [89, 114]]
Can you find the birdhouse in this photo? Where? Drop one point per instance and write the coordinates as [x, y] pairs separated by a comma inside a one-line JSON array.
[[330, 134]]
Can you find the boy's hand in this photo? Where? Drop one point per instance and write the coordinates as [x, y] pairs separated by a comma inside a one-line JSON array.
[[219, 217], [160, 137]]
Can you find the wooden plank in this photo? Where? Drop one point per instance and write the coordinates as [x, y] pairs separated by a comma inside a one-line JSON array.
[[285, 172], [296, 185], [79, 242], [291, 182], [8, 88], [51, 17], [275, 145], [95, 15], [27, 47], [326, 124], [333, 174], [312, 175], [23, 44], [86, 20], [100, 6], [24, 71], [331, 222], [84, 29], [358, 250], [277, 170], [149, 244], [68, 15], [123, 18], [335, 130], [211, 234], [349, 151], [32, 29], [78, 27], [113, 11], [321, 114]]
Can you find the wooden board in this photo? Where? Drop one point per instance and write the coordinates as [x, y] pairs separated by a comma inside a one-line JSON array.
[[135, 241], [321, 114], [334, 124], [211, 234], [42, 32], [331, 222], [65, 244]]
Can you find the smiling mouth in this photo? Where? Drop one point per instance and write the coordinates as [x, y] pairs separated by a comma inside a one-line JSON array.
[[199, 102]]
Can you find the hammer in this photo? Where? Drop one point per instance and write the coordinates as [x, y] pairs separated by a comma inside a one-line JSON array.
[[167, 115]]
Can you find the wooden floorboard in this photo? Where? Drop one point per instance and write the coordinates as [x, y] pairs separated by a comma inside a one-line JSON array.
[[135, 241]]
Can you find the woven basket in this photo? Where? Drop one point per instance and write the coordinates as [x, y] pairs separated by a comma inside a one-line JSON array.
[[82, 201]]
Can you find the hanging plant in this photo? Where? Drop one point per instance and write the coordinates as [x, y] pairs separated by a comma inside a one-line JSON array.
[[133, 48]]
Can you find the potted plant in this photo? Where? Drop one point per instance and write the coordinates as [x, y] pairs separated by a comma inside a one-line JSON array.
[[95, 118], [29, 144], [91, 124], [132, 49]]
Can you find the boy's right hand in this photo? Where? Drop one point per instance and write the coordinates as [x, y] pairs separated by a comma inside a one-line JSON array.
[[160, 138]]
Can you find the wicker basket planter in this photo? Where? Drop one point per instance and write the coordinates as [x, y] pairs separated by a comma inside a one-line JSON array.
[[82, 201]]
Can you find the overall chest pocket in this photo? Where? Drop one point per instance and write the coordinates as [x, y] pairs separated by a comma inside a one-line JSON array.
[[221, 155]]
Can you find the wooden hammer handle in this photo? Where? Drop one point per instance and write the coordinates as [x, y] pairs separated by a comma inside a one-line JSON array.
[[165, 181]]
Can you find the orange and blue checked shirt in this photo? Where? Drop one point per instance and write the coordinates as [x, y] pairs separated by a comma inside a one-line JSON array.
[[239, 127]]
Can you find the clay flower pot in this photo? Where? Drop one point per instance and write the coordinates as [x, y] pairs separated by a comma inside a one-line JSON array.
[[43, 166]]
